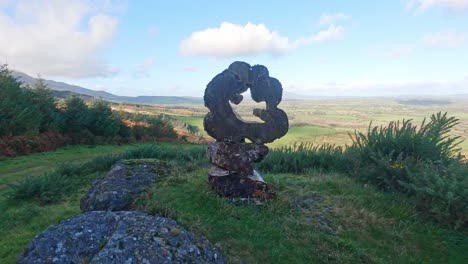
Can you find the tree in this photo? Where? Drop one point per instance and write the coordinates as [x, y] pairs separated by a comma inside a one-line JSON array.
[[18, 113], [46, 104], [102, 121], [76, 115]]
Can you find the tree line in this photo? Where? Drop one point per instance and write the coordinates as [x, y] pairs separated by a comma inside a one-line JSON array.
[[32, 120]]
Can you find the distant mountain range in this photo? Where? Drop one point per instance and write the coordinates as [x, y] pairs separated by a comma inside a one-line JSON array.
[[68, 89], [61, 86]]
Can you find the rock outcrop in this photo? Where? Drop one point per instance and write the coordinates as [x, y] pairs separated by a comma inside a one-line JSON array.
[[119, 237], [116, 190]]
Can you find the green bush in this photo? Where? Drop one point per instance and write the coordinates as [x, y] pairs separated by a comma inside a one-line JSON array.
[[424, 162], [384, 154], [303, 157], [441, 191]]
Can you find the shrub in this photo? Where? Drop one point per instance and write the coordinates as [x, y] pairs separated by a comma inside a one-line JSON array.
[[303, 157], [384, 154], [441, 191]]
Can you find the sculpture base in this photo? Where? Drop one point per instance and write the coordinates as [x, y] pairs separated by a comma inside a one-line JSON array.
[[231, 184]]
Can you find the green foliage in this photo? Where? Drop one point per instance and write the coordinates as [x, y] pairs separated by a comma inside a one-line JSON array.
[[18, 113], [102, 121], [424, 162], [69, 178], [303, 157], [421, 161], [384, 154], [46, 188], [441, 191], [76, 115], [30, 115], [43, 98]]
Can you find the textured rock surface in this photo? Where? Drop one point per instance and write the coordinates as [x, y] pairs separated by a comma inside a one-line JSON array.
[[224, 124], [232, 184], [116, 190], [236, 156], [119, 237]]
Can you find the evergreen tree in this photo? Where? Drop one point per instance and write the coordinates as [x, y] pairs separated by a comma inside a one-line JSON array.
[[76, 115], [47, 105], [102, 121], [18, 113]]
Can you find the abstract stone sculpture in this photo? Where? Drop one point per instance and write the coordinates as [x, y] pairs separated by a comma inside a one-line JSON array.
[[232, 174]]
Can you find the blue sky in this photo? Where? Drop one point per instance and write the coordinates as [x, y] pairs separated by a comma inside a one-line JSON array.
[[176, 47]]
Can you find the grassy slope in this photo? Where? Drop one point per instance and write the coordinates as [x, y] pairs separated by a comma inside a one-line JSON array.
[[370, 226], [35, 164]]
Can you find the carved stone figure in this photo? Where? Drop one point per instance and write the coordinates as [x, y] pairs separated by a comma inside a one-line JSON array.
[[233, 173], [224, 124]]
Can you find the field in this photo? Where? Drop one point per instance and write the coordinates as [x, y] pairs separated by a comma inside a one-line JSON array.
[[330, 120]]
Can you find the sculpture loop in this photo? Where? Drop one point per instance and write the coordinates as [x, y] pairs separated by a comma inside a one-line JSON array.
[[225, 125]]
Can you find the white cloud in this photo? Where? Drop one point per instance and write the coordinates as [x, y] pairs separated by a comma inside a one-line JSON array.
[[448, 39], [58, 38], [331, 33], [420, 6], [380, 88], [328, 19], [230, 40], [143, 70], [399, 52]]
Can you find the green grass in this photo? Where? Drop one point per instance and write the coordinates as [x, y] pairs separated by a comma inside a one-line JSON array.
[[316, 217], [369, 226], [191, 120], [298, 134], [12, 170]]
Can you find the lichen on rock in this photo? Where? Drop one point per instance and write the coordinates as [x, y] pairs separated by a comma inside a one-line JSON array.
[[119, 237], [116, 190]]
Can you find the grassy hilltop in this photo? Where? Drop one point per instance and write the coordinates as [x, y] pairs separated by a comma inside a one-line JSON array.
[[322, 213]]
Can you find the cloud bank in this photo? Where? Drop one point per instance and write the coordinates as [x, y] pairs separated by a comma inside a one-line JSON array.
[[57, 38], [381, 88], [230, 40]]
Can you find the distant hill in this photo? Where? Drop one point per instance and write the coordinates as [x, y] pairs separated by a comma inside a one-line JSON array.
[[424, 102], [61, 86]]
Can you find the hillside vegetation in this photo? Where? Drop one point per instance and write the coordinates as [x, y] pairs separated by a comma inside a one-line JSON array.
[[31, 120], [396, 195]]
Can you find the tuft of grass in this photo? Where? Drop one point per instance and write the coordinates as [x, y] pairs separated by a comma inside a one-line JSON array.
[[302, 157]]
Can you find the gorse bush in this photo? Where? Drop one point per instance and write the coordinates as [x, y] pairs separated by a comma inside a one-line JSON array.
[[441, 191], [387, 152], [422, 162]]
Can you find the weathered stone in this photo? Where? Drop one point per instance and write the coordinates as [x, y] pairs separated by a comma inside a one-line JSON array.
[[119, 237], [236, 156], [116, 190], [232, 184], [224, 124]]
